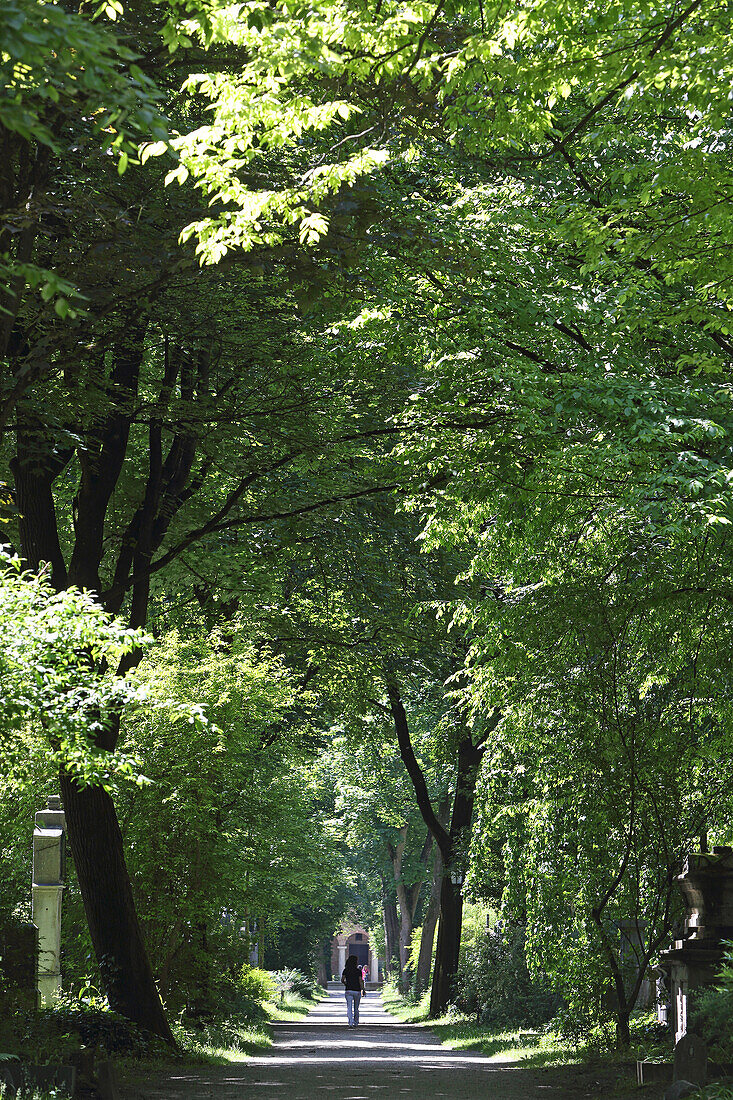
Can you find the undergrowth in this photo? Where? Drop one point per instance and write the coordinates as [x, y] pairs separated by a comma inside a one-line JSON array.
[[532, 1047]]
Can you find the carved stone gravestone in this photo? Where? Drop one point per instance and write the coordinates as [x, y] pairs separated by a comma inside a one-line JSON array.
[[690, 1059]]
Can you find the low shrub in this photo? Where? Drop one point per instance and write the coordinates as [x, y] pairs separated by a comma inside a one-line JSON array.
[[495, 986], [53, 1034], [717, 1090], [255, 984]]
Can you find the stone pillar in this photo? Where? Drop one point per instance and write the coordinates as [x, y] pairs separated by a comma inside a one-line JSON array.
[[342, 958], [49, 843], [633, 948], [707, 887]]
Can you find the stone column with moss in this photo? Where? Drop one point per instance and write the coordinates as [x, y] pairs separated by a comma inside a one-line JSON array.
[[49, 842]]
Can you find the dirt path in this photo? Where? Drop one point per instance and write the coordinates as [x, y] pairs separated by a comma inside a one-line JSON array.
[[321, 1057]]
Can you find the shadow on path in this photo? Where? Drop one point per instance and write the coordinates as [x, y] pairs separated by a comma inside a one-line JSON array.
[[322, 1056]]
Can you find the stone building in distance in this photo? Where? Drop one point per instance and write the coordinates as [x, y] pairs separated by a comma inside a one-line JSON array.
[[353, 940]]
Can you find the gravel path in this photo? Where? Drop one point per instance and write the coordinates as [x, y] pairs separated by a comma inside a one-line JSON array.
[[320, 1056]]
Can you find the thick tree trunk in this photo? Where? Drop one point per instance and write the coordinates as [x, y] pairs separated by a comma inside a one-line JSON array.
[[448, 947], [94, 833], [429, 924], [451, 899], [96, 844], [34, 471]]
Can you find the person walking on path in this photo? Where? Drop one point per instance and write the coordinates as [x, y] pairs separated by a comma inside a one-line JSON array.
[[354, 983]]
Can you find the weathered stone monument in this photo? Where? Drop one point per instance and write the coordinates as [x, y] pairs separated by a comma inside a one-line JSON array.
[[707, 887], [49, 854], [632, 952]]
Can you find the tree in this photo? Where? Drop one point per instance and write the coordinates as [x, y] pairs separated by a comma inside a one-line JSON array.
[[614, 740], [453, 842], [543, 319], [58, 659]]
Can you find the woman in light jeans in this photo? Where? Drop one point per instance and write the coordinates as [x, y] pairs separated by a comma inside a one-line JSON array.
[[352, 980]]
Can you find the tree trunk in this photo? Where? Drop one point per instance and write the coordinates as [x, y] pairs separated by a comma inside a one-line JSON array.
[[261, 942], [34, 469], [391, 935], [407, 899], [429, 924], [94, 833], [448, 947], [96, 844], [323, 967], [406, 930], [451, 898], [453, 845], [623, 1031]]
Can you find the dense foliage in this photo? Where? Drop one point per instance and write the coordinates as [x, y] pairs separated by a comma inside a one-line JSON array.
[[375, 358]]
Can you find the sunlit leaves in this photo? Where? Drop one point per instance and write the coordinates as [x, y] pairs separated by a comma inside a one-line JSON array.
[[60, 653]]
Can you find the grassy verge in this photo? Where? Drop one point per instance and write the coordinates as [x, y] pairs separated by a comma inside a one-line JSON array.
[[222, 1042], [531, 1048], [215, 1042], [292, 1008], [234, 1040]]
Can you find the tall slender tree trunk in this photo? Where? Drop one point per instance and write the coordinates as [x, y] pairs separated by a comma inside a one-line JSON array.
[[453, 844], [406, 930], [323, 963], [407, 898], [391, 934], [96, 845], [429, 924]]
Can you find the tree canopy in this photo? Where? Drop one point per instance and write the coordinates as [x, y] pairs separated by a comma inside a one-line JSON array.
[[375, 359]]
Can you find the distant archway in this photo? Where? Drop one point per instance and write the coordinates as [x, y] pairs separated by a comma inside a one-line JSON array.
[[354, 940]]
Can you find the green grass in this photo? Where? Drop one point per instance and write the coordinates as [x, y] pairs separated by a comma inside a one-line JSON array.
[[292, 1008], [233, 1040], [215, 1043], [410, 1012], [532, 1048], [219, 1045], [223, 1042]]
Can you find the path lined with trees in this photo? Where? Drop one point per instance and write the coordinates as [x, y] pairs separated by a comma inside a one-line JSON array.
[[382, 1057], [366, 433]]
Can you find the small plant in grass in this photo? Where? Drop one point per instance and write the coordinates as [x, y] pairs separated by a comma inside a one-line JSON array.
[[294, 981]]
